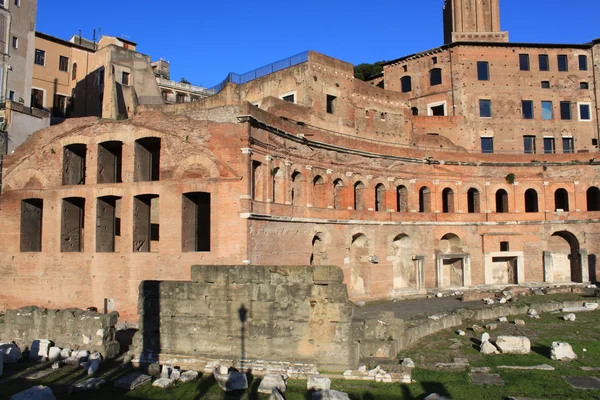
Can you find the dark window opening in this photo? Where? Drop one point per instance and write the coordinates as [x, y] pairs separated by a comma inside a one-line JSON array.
[[567, 143], [544, 63], [524, 62], [583, 62], [289, 98], [549, 146], [529, 144], [74, 72], [504, 246], [501, 201], [63, 64], [196, 221], [74, 157], [402, 199], [438, 111], [380, 197], [40, 57], [487, 145], [125, 78], [60, 106], [108, 224], [415, 111], [527, 106], [473, 201], [331, 104], [359, 203], [434, 60], [565, 110], [37, 98], [563, 62], [110, 162], [338, 185], [483, 71], [146, 228], [584, 112], [406, 84], [256, 181], [531, 200], [593, 199], [584, 85], [32, 211], [561, 200], [435, 77], [545, 84], [485, 108], [448, 200], [424, 200], [72, 224], [147, 159]]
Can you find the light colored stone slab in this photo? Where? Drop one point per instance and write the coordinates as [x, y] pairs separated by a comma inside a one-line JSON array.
[[488, 348], [330, 395], [543, 367], [570, 317], [270, 382], [486, 379], [583, 382], [39, 349], [576, 309], [562, 351], [513, 344], [189, 376], [35, 393], [163, 383], [317, 382], [132, 381], [37, 375], [89, 384], [54, 354]]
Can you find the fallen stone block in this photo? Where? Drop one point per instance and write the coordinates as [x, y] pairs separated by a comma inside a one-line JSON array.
[[39, 349], [488, 348], [485, 337], [35, 393], [93, 367], [88, 385], [162, 383], [317, 382], [570, 317], [330, 395], [460, 332], [271, 382], [543, 367], [576, 309], [12, 353], [519, 322], [591, 306], [477, 328], [65, 353], [57, 364], [502, 319], [407, 362], [176, 374], [189, 376], [513, 344], [154, 370], [276, 395], [562, 351], [54, 354], [481, 370], [486, 379], [491, 327], [132, 381], [233, 380]]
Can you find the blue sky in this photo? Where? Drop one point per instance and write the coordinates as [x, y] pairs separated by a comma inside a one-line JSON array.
[[204, 40]]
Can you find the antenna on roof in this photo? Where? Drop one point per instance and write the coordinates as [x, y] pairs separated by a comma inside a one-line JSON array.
[[80, 37]]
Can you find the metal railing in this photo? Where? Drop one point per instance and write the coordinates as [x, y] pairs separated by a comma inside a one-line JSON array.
[[262, 71], [185, 86]]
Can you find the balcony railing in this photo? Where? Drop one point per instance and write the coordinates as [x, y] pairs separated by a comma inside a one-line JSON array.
[[185, 87]]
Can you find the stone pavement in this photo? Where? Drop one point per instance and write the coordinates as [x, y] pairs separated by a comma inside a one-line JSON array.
[[409, 309]]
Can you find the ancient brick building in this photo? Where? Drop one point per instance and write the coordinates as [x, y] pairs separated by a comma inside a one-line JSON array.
[[461, 176]]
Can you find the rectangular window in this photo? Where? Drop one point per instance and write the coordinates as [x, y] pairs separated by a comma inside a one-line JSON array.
[[583, 64], [32, 211], [72, 224], [544, 62], [37, 98], [434, 60], [584, 112], [545, 84], [60, 106], [483, 71], [546, 110], [563, 62], [110, 161], [145, 223], [125, 78], [147, 159], [195, 219], [584, 85], [524, 62], [487, 145], [437, 111], [74, 156], [529, 144], [527, 106], [504, 246], [568, 145], [485, 108], [289, 98], [565, 110], [108, 224], [40, 57], [549, 145], [18, 3], [63, 63], [15, 42], [11, 95], [331, 104]]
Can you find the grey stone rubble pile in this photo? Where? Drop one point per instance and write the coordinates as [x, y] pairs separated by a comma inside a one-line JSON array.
[[322, 389], [35, 393], [585, 307], [271, 382], [533, 314], [132, 381], [562, 351], [378, 374]]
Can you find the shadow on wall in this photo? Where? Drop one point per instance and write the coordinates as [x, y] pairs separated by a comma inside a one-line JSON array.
[[592, 268]]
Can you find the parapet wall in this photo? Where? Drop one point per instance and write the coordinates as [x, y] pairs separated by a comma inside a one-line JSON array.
[[294, 313], [71, 328]]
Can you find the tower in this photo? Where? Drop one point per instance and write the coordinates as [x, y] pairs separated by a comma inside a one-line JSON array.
[[472, 21]]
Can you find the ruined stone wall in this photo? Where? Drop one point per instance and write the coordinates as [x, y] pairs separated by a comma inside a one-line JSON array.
[[292, 313], [71, 328]]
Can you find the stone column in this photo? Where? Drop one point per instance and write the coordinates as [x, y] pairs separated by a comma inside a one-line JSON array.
[[548, 267]]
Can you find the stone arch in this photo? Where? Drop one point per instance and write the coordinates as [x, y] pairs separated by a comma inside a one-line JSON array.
[[565, 257], [338, 186], [297, 188], [404, 270], [448, 200], [450, 243], [531, 201], [359, 195], [26, 179], [277, 183], [319, 192], [358, 255], [473, 200], [561, 199], [197, 167], [501, 201], [319, 255], [592, 196], [380, 197], [424, 199], [401, 198]]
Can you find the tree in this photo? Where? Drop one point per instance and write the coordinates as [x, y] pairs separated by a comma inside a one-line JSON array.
[[183, 80], [365, 71]]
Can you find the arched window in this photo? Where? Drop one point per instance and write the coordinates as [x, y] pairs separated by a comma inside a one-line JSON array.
[[501, 201], [448, 200], [424, 199], [561, 200], [473, 200], [406, 84], [531, 200], [74, 71], [359, 203], [435, 77], [338, 184], [415, 111], [277, 183], [402, 198], [318, 199], [593, 199], [296, 193], [380, 197]]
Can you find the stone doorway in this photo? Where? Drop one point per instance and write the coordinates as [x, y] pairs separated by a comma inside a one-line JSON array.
[[563, 262]]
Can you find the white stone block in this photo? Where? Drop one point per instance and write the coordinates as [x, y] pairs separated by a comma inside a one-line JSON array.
[[271, 382], [562, 351], [189, 376], [317, 382], [54, 354], [162, 383], [513, 344]]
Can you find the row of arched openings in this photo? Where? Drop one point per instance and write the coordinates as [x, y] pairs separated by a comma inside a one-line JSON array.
[[561, 196]]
